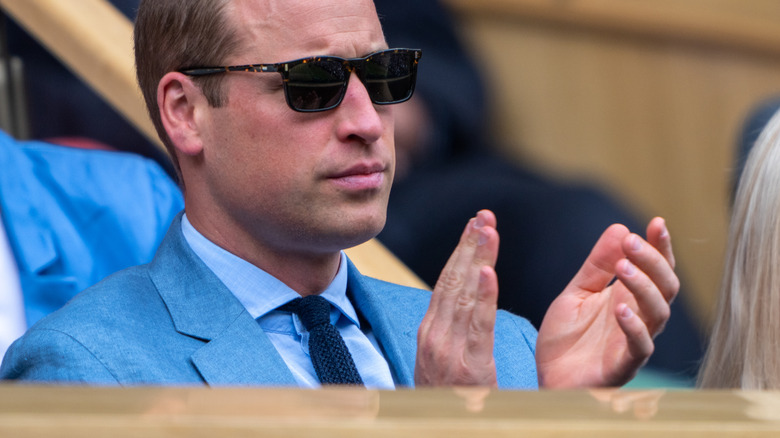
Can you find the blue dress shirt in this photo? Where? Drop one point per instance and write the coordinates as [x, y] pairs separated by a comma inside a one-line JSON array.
[[261, 294]]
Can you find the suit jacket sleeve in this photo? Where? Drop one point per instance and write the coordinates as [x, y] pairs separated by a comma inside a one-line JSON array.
[[49, 355]]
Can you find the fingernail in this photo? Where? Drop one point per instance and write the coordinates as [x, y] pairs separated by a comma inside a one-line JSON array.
[[480, 222], [627, 312], [636, 242], [629, 269], [664, 230], [483, 238]]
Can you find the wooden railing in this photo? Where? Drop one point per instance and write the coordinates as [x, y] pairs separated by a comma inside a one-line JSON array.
[[95, 41], [62, 411], [738, 24]]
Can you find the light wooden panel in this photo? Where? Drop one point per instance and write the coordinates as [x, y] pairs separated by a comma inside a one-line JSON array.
[[33, 411], [745, 25], [95, 41], [643, 97]]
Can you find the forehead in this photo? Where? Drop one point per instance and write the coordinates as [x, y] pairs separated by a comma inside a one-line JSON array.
[[280, 30]]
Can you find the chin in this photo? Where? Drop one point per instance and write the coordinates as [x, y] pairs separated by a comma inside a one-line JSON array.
[[361, 230]]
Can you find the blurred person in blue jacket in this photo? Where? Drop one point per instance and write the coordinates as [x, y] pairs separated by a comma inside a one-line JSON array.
[[61, 105], [70, 217]]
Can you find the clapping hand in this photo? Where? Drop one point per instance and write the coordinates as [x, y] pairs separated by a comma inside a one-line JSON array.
[[599, 332]]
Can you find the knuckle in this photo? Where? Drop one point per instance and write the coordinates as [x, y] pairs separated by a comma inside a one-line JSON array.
[[477, 330], [674, 287], [452, 280], [658, 323], [664, 315], [440, 356], [431, 339], [481, 260], [660, 329], [464, 303], [670, 289]]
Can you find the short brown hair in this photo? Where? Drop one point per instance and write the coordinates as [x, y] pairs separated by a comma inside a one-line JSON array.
[[171, 35]]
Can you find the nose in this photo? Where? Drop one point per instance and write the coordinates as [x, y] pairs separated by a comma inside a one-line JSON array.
[[360, 118]]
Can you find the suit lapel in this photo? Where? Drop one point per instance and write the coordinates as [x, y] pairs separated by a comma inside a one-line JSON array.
[[242, 354], [236, 350], [394, 324]]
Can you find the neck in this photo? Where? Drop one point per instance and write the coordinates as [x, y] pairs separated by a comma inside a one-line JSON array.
[[306, 272]]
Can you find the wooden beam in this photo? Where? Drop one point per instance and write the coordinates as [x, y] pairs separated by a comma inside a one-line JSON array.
[[747, 26], [95, 41], [163, 412]]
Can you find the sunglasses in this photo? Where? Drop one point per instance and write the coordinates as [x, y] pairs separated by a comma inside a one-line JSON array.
[[320, 82]]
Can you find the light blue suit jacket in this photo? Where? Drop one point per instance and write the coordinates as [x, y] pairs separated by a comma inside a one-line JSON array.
[[173, 322], [74, 216]]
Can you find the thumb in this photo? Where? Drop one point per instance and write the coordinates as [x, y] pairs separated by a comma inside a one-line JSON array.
[[599, 268]]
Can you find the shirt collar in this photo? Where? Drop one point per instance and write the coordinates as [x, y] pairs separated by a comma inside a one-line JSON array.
[[257, 290]]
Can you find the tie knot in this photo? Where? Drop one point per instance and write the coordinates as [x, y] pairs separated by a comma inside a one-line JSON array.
[[312, 310]]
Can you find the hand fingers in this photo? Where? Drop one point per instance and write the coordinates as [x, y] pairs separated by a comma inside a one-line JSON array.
[[472, 295], [653, 308], [650, 279], [449, 275], [458, 282], [479, 339], [648, 273], [654, 265], [639, 342], [599, 268], [658, 236], [455, 339], [446, 359]]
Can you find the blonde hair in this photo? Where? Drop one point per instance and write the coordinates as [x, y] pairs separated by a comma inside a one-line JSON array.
[[744, 348]]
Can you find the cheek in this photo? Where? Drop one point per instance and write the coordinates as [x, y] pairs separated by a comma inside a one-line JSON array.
[[272, 157], [252, 137]]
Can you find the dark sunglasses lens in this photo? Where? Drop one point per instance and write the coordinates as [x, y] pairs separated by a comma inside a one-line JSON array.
[[316, 85], [390, 76]]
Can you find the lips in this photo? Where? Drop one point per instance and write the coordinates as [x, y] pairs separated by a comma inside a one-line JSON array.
[[360, 177]]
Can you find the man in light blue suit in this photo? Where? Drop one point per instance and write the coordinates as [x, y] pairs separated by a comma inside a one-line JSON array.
[[286, 163], [70, 217], [180, 324]]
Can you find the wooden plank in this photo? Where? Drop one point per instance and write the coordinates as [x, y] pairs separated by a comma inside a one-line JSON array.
[[95, 41], [64, 411], [746, 26]]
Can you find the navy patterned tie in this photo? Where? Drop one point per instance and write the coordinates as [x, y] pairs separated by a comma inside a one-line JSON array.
[[329, 354]]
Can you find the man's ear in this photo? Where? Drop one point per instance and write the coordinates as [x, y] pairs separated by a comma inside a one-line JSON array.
[[180, 102]]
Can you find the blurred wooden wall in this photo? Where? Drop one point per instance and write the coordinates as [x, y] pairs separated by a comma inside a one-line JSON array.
[[645, 97]]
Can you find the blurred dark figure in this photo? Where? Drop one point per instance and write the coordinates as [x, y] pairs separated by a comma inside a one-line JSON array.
[[448, 168], [754, 123]]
